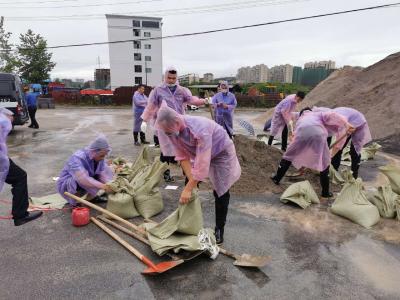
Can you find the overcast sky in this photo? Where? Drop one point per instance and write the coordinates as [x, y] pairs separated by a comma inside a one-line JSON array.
[[361, 38]]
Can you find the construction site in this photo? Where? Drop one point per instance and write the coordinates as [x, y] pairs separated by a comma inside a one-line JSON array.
[[155, 185]]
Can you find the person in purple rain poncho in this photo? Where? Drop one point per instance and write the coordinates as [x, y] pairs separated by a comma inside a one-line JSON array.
[[310, 149], [282, 117], [176, 97], [224, 104], [204, 149], [139, 102], [12, 174], [86, 171], [360, 137]]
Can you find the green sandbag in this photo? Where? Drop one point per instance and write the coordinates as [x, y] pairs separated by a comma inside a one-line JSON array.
[[352, 204], [141, 161], [121, 185], [397, 204], [369, 152], [300, 193], [335, 176], [122, 205], [187, 219], [147, 198], [392, 172], [385, 200]]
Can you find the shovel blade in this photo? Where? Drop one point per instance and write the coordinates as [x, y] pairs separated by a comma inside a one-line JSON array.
[[162, 267], [247, 260]]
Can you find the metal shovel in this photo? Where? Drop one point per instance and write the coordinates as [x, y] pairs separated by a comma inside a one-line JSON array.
[[153, 269]]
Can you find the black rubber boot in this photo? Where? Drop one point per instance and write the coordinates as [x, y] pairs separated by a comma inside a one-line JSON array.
[[135, 137], [219, 235], [270, 140], [324, 181], [167, 176], [221, 211], [143, 138], [284, 165], [29, 217]]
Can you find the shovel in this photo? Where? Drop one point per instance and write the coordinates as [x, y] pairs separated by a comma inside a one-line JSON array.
[[153, 269], [243, 260], [189, 256]]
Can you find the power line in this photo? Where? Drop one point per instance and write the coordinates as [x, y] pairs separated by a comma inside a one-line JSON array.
[[205, 8], [80, 6], [224, 29], [30, 2]]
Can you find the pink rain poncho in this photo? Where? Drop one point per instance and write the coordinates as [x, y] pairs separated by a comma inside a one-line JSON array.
[[362, 134], [177, 100], [203, 142], [139, 102], [5, 128], [224, 116], [82, 171], [283, 114], [310, 148]]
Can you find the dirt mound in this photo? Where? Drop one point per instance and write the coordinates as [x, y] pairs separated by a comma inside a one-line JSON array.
[[258, 162], [374, 91]]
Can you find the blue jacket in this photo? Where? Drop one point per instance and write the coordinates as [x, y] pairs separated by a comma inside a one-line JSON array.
[[31, 99]]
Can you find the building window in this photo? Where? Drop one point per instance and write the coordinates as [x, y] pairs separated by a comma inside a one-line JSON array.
[[136, 44], [147, 58], [136, 23], [136, 32], [150, 24], [148, 70], [138, 69], [147, 34], [137, 56], [147, 46], [138, 80]]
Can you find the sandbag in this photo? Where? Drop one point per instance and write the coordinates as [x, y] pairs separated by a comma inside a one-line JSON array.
[[368, 153], [122, 205], [187, 219], [392, 172], [300, 193], [397, 204], [147, 198], [385, 200], [335, 176], [141, 161], [352, 203]]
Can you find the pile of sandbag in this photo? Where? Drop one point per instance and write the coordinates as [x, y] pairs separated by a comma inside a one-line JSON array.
[[180, 230], [352, 203], [387, 198], [367, 153], [300, 193], [136, 190]]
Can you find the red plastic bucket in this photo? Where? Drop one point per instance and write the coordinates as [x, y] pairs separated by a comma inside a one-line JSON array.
[[80, 216]]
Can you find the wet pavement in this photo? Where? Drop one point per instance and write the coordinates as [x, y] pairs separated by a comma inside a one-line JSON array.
[[315, 254]]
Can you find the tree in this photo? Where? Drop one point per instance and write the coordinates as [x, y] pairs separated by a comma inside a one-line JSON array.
[[34, 61], [7, 57]]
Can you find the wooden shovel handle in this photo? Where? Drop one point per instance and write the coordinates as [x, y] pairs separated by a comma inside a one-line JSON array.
[[105, 211], [338, 141]]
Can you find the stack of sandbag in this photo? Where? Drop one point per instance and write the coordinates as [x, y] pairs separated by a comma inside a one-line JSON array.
[[136, 190], [385, 200], [367, 153], [179, 231], [352, 203], [300, 193], [392, 172]]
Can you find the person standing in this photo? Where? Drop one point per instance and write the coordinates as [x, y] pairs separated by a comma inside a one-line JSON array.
[[31, 101], [139, 103], [12, 174], [282, 117], [224, 104]]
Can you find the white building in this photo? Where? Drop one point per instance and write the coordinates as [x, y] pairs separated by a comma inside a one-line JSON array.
[[188, 79], [208, 77], [282, 73], [327, 64], [255, 74], [140, 60]]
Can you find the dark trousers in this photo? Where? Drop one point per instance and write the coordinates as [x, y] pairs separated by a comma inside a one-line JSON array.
[[163, 158], [221, 209], [32, 114], [142, 136], [355, 158], [284, 138], [18, 179], [284, 165]]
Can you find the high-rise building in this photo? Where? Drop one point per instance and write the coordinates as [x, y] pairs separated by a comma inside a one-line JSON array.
[[188, 79], [139, 61], [102, 78], [255, 74], [326, 64], [297, 75], [208, 77], [282, 74]]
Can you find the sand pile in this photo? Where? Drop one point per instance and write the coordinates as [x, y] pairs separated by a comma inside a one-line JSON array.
[[258, 162], [375, 91]]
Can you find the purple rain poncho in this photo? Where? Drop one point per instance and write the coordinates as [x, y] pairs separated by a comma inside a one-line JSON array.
[[283, 114], [203, 142], [5, 128], [139, 102], [224, 116], [80, 171], [309, 147]]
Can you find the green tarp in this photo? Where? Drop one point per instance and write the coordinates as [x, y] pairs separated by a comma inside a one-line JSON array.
[[352, 203], [385, 200], [300, 193], [50, 201]]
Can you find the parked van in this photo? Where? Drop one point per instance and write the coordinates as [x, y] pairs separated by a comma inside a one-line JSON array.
[[12, 97]]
